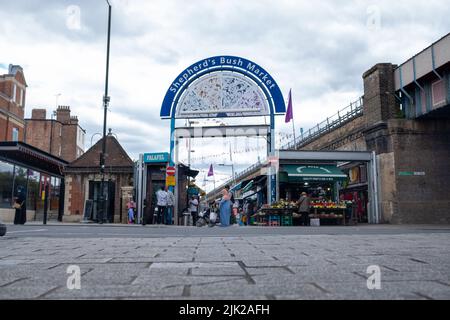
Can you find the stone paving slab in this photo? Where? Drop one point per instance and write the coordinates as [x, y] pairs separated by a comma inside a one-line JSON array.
[[413, 266]]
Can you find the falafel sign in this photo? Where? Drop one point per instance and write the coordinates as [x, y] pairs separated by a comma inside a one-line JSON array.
[[223, 86]]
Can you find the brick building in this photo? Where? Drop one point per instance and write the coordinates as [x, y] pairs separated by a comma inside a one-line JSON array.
[[83, 182], [62, 137], [12, 104]]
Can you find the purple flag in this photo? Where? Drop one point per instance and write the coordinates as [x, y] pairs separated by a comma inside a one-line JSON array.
[[289, 113], [211, 171]]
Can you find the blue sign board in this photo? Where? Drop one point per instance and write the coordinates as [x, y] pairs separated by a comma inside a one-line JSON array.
[[224, 63], [161, 157]]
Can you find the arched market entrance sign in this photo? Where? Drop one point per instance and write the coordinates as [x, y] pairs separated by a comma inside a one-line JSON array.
[[224, 87]]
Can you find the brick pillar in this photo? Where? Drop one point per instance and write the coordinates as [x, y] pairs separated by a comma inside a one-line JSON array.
[[379, 101]]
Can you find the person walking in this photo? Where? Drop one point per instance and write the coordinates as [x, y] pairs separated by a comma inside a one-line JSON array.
[[170, 204], [304, 207], [161, 202], [131, 209], [225, 208], [250, 208], [193, 208], [20, 216]]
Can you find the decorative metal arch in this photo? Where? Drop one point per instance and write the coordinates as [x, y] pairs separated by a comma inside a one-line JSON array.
[[223, 86], [238, 65]]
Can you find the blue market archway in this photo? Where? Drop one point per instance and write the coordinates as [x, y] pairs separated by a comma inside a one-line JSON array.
[[246, 90], [255, 73]]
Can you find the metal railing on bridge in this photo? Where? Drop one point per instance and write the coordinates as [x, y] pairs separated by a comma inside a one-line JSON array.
[[240, 175], [342, 117]]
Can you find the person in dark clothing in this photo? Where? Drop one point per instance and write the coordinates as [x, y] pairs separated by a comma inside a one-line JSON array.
[[304, 208], [250, 209], [21, 208]]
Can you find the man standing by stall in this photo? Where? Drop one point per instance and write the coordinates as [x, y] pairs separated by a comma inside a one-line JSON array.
[[161, 198], [304, 207], [170, 204], [193, 208]]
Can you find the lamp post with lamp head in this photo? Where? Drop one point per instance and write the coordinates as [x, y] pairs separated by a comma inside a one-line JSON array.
[[106, 100]]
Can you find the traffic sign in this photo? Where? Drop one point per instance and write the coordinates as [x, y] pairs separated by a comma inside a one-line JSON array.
[[170, 181], [170, 171]]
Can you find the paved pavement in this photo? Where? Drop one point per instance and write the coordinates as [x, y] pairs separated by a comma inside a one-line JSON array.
[[135, 262]]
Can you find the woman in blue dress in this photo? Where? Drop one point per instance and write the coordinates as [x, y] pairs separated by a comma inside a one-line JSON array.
[[225, 208]]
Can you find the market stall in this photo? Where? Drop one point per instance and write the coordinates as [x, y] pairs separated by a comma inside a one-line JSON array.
[[285, 213], [328, 212]]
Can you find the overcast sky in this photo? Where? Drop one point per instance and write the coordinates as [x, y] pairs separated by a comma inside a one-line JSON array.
[[320, 49]]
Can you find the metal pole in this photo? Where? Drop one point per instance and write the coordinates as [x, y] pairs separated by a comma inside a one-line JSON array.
[[139, 193], [232, 165], [377, 216], [106, 100], [45, 202], [176, 192]]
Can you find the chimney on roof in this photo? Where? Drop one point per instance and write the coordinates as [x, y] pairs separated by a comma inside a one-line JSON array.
[[63, 114], [73, 120], [38, 114], [13, 68]]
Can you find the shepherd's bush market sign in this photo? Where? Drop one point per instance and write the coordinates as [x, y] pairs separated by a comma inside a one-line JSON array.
[[224, 63]]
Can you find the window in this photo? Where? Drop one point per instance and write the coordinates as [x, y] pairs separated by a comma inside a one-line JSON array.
[[22, 92], [33, 189], [20, 180], [14, 93], [15, 134], [59, 152], [6, 184], [55, 184]]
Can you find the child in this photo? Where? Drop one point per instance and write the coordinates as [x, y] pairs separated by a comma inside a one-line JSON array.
[[130, 215]]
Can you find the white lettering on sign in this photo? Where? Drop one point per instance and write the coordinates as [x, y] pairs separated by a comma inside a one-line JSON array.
[[225, 61]]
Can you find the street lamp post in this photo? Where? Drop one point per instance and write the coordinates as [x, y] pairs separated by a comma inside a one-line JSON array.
[[92, 137], [106, 100], [232, 169]]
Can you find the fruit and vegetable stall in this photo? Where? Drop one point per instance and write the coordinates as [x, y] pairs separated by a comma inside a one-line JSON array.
[[283, 213]]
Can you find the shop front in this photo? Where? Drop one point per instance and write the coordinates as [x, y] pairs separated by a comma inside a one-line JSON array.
[[151, 176], [34, 173], [339, 185], [320, 182], [355, 189]]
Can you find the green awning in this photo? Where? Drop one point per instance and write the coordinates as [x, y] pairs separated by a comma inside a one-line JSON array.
[[313, 173], [248, 186], [237, 187]]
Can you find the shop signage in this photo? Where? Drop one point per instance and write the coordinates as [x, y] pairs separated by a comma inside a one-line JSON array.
[[170, 181], [306, 169], [193, 190], [156, 157], [223, 63], [410, 173]]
